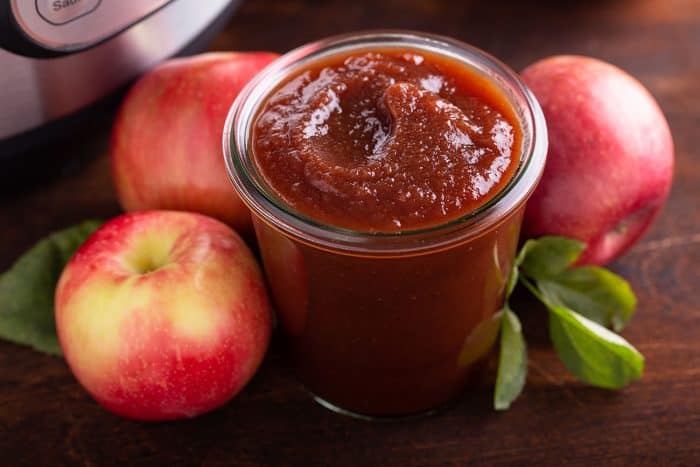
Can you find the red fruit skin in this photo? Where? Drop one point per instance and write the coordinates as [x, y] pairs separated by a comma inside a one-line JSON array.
[[610, 162], [173, 343], [166, 141]]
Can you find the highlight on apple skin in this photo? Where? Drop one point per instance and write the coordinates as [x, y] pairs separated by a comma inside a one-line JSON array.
[[163, 315], [166, 141], [610, 161]]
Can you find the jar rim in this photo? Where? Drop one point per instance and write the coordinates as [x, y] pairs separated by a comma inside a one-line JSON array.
[[273, 211]]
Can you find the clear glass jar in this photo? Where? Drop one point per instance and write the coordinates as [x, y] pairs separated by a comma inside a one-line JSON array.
[[377, 324]]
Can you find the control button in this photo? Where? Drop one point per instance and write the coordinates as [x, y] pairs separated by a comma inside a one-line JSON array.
[[64, 11]]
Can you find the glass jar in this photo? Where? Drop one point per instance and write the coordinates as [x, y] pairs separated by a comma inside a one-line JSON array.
[[386, 324]]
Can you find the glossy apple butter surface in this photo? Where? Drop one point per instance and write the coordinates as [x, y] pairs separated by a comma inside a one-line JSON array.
[[386, 141]]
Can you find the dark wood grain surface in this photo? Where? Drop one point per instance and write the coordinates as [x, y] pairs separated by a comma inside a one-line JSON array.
[[47, 419]]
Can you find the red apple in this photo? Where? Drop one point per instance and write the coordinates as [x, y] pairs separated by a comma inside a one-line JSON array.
[[166, 141], [163, 315], [610, 160]]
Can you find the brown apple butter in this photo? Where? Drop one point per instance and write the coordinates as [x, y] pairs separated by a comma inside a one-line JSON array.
[[386, 141], [387, 185]]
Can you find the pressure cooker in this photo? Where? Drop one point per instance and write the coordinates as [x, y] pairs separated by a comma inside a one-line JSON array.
[[60, 58]]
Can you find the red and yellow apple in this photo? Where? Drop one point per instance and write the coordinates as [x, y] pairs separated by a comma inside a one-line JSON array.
[[163, 315], [166, 140], [610, 161]]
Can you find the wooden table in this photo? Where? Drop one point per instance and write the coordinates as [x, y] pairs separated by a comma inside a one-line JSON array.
[[47, 419]]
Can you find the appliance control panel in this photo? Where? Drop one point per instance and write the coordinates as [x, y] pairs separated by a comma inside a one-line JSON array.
[[72, 25], [59, 12]]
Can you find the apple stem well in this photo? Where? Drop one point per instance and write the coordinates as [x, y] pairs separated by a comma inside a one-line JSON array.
[[148, 255]]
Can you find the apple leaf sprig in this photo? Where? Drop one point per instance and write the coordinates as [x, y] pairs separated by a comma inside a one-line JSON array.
[[582, 303], [27, 289]]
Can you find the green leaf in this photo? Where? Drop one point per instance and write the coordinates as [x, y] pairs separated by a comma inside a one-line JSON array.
[[512, 362], [27, 289], [480, 340], [591, 352], [512, 280], [593, 292], [548, 256]]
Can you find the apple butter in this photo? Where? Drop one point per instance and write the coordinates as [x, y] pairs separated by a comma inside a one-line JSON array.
[[387, 175], [385, 141]]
